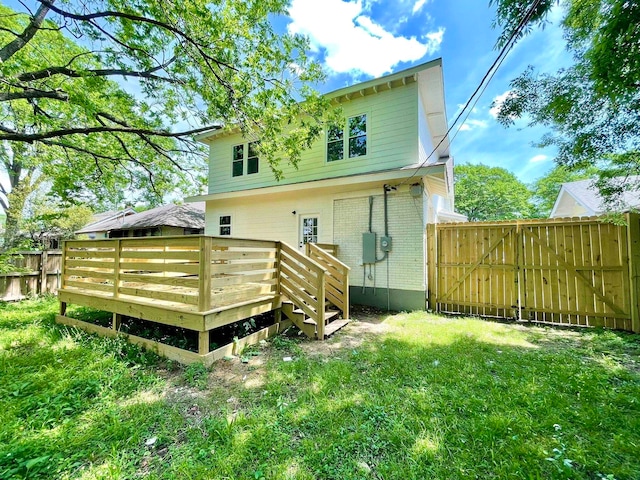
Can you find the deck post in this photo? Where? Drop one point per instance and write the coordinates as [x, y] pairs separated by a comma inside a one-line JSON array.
[[116, 268], [345, 295], [116, 322], [633, 246], [204, 274], [320, 299], [203, 342]]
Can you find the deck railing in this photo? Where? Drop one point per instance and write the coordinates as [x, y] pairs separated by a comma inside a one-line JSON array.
[[336, 277], [198, 273]]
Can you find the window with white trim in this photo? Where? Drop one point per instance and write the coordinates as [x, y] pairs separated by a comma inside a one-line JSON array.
[[350, 138], [246, 153], [225, 225]]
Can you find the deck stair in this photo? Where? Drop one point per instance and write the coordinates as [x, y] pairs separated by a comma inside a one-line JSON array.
[[316, 289], [308, 326]]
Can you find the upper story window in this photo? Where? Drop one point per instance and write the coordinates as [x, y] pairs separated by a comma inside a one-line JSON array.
[[246, 153], [352, 139]]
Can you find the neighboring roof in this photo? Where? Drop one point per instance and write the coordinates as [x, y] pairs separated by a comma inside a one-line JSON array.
[[99, 218], [586, 194], [182, 216]]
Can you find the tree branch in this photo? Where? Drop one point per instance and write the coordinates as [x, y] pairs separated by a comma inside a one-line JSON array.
[[31, 93], [50, 71], [12, 135], [11, 48]]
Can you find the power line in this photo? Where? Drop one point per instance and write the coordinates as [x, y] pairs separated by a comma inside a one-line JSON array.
[[488, 76]]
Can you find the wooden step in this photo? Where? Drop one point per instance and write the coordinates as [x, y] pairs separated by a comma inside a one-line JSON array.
[[333, 327], [328, 316]]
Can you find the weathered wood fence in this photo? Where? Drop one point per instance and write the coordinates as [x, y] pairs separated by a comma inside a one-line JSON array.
[[37, 272], [578, 271]]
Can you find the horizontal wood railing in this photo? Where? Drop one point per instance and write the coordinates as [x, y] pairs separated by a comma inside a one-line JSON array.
[[303, 281], [327, 247], [199, 273], [336, 277]]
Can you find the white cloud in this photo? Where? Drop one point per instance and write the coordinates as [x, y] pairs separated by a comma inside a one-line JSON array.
[[471, 124], [497, 103], [354, 42], [538, 158], [418, 5]]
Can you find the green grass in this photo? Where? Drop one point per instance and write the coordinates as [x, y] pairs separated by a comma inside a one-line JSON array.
[[431, 398]]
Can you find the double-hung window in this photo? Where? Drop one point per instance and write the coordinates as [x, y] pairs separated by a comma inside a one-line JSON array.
[[350, 138], [246, 153], [225, 225]]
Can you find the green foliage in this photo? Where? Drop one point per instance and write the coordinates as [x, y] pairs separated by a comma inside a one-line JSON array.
[[434, 397], [546, 188], [191, 64], [592, 107], [490, 193], [195, 375]]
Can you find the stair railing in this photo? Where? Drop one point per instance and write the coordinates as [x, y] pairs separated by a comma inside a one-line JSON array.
[[336, 277], [303, 281]]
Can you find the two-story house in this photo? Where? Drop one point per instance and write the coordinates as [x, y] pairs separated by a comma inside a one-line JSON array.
[[369, 186]]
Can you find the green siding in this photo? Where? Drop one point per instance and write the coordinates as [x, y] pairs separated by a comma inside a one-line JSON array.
[[392, 131]]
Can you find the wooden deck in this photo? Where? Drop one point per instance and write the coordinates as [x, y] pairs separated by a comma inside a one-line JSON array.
[[199, 283]]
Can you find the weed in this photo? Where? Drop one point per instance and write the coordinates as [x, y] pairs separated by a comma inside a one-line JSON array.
[[196, 375]]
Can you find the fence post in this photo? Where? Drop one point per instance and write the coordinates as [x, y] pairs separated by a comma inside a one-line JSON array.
[[431, 266], [43, 272], [633, 246], [204, 275]]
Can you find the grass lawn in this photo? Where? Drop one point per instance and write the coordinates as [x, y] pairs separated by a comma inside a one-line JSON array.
[[416, 396]]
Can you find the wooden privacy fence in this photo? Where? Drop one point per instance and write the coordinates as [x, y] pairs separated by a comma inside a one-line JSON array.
[[577, 271], [37, 272]]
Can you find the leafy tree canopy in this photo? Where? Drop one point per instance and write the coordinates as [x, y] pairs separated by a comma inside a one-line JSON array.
[[592, 107], [190, 64], [490, 193]]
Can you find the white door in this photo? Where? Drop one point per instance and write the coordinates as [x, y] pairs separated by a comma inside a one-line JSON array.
[[308, 230]]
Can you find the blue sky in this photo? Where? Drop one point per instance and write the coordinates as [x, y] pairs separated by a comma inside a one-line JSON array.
[[363, 39]]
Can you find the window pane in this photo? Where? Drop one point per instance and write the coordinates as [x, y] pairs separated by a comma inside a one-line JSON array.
[[253, 149], [310, 230], [237, 168], [335, 133], [225, 230], [335, 151], [225, 220], [252, 165], [358, 126], [358, 146], [238, 152]]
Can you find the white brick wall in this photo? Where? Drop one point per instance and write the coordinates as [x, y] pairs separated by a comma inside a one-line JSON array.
[[406, 259]]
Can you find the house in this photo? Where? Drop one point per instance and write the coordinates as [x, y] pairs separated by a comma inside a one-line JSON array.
[[582, 199], [369, 186], [161, 221], [95, 229]]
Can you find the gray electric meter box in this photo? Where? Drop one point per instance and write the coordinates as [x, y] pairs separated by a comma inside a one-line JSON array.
[[368, 248], [385, 244]]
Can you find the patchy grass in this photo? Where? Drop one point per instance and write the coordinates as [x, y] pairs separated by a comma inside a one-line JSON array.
[[423, 397]]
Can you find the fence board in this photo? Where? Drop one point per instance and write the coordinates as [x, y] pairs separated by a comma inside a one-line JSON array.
[[571, 272]]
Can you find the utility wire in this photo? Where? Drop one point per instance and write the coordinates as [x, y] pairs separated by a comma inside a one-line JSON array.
[[488, 76]]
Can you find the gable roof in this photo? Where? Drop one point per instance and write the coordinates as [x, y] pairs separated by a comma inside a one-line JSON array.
[[181, 216], [585, 193]]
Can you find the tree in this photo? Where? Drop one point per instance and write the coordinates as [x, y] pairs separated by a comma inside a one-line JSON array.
[[187, 66], [592, 107], [545, 190], [490, 193]]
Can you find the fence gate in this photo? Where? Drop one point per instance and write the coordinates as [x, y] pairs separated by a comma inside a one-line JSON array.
[[567, 271]]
